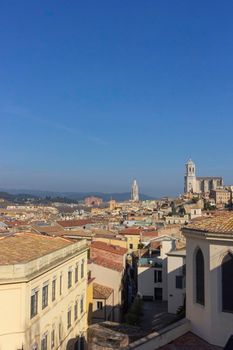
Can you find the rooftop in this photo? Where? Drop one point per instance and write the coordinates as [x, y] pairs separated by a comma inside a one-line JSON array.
[[24, 247], [130, 231], [221, 222], [107, 263], [74, 223], [49, 229], [101, 292], [109, 247], [189, 341], [177, 252]]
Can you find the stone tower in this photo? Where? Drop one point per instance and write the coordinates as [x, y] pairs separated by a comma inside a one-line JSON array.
[[135, 192], [190, 180]]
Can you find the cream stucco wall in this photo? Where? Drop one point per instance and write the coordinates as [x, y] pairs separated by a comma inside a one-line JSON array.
[[17, 329]]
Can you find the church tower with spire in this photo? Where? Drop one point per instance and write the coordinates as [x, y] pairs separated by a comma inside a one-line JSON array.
[[135, 192], [190, 180]]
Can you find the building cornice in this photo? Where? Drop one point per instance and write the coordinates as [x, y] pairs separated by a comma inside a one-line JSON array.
[[203, 234], [25, 272]]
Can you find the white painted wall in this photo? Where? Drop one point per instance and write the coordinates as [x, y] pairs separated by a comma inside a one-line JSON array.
[[146, 283], [208, 322], [175, 295]]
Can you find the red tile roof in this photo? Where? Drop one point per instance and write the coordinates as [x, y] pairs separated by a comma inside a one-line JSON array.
[[109, 264], [189, 341], [109, 247], [73, 223], [24, 247], [101, 292], [150, 233], [52, 230], [130, 231], [221, 222]]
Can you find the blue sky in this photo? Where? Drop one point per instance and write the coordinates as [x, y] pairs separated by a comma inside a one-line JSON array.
[[96, 93]]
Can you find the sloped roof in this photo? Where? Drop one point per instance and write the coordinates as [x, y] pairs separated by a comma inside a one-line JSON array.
[[115, 249], [101, 292], [73, 223], [24, 247], [221, 222]]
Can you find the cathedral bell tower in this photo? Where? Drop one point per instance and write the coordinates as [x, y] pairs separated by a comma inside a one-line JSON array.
[[190, 181]]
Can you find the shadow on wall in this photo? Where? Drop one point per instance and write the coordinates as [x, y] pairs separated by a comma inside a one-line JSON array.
[[78, 343], [108, 313], [90, 313]]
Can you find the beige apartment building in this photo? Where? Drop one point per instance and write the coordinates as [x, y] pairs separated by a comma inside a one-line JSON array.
[[220, 196], [43, 286]]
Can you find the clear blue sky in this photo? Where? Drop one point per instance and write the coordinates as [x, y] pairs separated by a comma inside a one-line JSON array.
[[96, 93]]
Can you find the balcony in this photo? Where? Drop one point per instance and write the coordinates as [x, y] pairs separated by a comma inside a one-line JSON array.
[[150, 262]]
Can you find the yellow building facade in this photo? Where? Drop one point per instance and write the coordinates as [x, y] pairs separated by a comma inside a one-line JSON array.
[[43, 288]]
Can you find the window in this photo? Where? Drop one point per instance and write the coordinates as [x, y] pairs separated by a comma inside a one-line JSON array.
[[54, 289], [34, 303], [69, 319], [227, 283], [200, 278], [82, 269], [44, 342], [81, 305], [60, 284], [76, 310], [76, 273], [179, 282], [157, 276], [99, 305], [130, 246], [52, 338], [69, 278], [60, 332], [45, 291]]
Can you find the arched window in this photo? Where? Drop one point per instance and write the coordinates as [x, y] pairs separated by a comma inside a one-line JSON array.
[[200, 278], [227, 283]]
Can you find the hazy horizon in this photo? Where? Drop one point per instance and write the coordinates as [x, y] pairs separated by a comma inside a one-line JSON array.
[[95, 94]]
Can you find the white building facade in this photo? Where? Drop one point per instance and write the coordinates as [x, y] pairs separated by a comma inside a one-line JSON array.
[[152, 271], [176, 279], [209, 277]]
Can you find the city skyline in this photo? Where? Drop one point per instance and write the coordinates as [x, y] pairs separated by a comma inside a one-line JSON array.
[[124, 190], [94, 95]]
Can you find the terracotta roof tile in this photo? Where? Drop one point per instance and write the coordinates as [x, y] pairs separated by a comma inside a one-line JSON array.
[[73, 223], [49, 230], [150, 233], [130, 231], [189, 341], [109, 247], [109, 264], [101, 292], [221, 222], [24, 247]]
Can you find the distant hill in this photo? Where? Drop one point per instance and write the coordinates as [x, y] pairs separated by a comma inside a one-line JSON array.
[[11, 194]]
